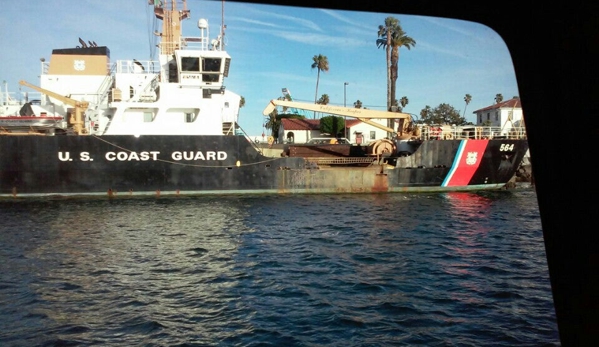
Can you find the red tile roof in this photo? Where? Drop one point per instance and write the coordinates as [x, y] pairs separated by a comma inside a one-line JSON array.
[[300, 124], [511, 103], [309, 124]]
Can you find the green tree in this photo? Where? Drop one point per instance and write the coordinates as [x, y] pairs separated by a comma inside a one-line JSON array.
[[333, 125], [498, 98], [321, 63], [385, 34], [442, 114], [403, 102], [241, 102], [426, 113], [324, 100], [392, 37], [273, 123], [467, 100], [400, 39], [358, 104]]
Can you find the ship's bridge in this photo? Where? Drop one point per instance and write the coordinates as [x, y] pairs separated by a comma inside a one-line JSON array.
[[202, 68]]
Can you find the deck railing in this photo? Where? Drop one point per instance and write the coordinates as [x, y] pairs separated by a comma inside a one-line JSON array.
[[445, 132], [138, 66]]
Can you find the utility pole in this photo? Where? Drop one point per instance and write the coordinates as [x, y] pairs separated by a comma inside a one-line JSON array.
[[344, 99]]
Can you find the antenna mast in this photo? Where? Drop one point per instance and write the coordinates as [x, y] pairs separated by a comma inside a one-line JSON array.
[[166, 10]]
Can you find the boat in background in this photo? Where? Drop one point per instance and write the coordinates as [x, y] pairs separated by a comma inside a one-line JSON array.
[[170, 127]]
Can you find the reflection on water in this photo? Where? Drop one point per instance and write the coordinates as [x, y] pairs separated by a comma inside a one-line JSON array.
[[469, 213], [466, 206], [147, 255], [276, 270]]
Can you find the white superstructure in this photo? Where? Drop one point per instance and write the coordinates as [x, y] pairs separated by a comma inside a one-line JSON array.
[[181, 93]]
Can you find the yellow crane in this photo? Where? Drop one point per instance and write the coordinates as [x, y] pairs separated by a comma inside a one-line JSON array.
[[76, 119], [404, 130]]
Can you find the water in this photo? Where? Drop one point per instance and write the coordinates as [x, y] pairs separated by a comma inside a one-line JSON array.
[[453, 269]]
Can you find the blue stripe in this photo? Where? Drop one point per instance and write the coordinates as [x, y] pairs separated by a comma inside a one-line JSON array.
[[456, 161]]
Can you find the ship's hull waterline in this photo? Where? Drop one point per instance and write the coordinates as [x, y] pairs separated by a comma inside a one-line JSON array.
[[114, 166]]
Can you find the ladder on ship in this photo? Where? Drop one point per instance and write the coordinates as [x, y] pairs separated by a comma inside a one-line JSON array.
[[105, 87], [228, 128]]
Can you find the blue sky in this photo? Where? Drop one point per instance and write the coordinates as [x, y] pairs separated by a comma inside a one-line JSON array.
[[272, 48]]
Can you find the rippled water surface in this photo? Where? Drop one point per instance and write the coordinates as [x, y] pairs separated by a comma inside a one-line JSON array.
[[452, 269]]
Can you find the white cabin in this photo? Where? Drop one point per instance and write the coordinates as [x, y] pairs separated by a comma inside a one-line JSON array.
[[181, 93]]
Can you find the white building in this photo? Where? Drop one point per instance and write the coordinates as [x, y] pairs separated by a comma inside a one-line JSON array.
[[504, 115], [302, 130]]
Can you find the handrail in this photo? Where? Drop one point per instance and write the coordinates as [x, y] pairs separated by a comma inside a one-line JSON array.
[[105, 86], [473, 132]]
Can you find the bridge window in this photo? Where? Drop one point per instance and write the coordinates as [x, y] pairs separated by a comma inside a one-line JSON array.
[[190, 64], [212, 77], [211, 64]]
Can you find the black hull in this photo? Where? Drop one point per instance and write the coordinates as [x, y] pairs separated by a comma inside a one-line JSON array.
[[126, 165]]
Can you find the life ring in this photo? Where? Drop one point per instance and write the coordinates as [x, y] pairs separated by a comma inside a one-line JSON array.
[[271, 140]]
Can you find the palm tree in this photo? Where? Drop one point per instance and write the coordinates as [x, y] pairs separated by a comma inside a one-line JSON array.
[[321, 63], [400, 39], [358, 104], [241, 102], [385, 33], [273, 123], [498, 98], [324, 99], [392, 37], [404, 101], [467, 100]]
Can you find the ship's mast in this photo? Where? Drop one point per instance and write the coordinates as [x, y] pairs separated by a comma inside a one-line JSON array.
[[168, 11], [222, 22]]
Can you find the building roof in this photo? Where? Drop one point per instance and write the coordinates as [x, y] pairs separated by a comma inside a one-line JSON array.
[[351, 122], [290, 124], [300, 124], [511, 103]]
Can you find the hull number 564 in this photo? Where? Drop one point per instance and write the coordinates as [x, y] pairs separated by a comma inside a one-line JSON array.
[[506, 147]]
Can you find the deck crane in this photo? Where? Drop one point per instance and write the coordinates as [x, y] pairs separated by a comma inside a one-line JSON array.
[[76, 119], [287, 96], [405, 129]]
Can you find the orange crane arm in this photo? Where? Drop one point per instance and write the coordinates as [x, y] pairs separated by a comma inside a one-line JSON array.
[[80, 106], [62, 98]]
